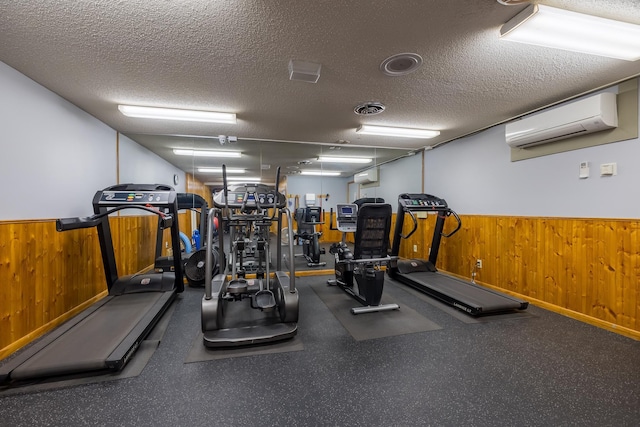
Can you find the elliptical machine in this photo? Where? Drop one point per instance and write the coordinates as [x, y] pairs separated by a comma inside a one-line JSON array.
[[238, 310], [371, 223], [307, 219]]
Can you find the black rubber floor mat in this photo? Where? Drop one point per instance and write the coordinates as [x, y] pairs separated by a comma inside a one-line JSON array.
[[370, 325]]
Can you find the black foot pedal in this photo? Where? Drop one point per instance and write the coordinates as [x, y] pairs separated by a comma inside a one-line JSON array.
[[265, 300], [237, 286]]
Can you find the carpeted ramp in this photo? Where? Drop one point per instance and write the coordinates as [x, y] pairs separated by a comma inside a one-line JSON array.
[[370, 325]]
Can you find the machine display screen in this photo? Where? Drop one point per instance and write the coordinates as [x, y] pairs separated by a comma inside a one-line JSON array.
[[346, 210]]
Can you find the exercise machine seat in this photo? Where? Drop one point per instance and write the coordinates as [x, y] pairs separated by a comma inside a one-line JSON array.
[[372, 231]]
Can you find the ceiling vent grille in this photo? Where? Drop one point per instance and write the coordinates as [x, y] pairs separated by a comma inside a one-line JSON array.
[[369, 108]]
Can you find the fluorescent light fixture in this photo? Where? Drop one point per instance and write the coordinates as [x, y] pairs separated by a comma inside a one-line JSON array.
[[236, 179], [175, 114], [219, 170], [331, 159], [320, 173], [206, 153], [243, 179], [562, 29], [400, 132]]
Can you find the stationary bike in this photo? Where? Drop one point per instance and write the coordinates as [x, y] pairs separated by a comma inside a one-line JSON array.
[[307, 219], [371, 224]]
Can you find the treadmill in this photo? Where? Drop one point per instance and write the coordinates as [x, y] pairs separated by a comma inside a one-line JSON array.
[[105, 336], [423, 276]]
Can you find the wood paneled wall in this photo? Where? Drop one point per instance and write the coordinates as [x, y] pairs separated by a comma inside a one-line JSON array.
[[585, 268], [196, 187], [45, 276]]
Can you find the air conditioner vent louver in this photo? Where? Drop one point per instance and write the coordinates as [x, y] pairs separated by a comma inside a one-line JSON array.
[[593, 114]]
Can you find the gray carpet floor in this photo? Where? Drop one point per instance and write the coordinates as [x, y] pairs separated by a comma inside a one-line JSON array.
[[533, 369]]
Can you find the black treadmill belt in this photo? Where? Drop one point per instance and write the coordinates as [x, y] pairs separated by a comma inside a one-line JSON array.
[[87, 345], [451, 289]]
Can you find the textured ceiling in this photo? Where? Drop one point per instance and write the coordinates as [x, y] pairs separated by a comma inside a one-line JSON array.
[[232, 56]]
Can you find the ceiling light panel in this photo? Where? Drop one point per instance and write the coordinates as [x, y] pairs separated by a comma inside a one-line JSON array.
[[206, 153], [320, 173], [562, 29], [243, 179], [175, 114], [334, 159], [252, 180], [399, 132], [219, 170]]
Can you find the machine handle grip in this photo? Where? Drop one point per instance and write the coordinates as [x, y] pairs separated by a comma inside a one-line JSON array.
[[331, 227], [65, 224], [276, 196], [415, 225], [455, 215], [225, 190]]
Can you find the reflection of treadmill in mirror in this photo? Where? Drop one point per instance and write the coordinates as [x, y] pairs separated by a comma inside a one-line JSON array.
[[106, 335], [423, 275], [186, 201]]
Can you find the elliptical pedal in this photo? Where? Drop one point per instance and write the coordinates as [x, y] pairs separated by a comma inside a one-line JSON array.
[[237, 286], [264, 300]]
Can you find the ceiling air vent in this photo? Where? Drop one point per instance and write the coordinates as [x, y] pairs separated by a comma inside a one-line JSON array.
[[369, 108], [401, 64]]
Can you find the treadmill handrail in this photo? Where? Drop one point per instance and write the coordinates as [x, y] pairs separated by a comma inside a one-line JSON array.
[[455, 215], [415, 225], [65, 224]]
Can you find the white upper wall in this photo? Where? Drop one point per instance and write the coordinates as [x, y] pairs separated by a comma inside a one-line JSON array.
[[299, 185], [141, 166], [397, 177], [55, 156], [475, 175]]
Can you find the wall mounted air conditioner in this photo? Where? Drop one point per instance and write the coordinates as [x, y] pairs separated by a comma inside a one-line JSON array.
[[593, 114], [366, 177]]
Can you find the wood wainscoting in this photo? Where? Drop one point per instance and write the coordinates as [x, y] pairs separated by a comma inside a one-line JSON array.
[[46, 276], [585, 268]]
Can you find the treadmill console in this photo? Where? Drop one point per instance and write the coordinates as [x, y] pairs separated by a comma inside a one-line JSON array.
[[110, 198], [346, 217], [422, 202], [250, 196]]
